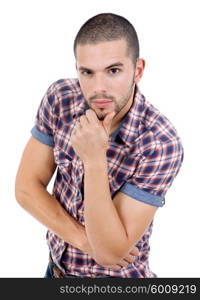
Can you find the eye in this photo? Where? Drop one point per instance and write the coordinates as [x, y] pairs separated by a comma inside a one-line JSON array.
[[86, 72], [114, 70]]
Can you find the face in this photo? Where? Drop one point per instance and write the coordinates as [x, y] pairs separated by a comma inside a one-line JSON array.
[[107, 77]]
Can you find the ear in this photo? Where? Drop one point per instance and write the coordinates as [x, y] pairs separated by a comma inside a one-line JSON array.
[[139, 69]]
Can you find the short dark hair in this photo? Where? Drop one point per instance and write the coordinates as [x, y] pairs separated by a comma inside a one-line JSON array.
[[108, 27]]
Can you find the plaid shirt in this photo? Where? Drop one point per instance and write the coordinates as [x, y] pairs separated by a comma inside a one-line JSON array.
[[144, 156]]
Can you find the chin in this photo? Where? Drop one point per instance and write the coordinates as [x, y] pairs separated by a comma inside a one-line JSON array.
[[101, 118], [100, 115]]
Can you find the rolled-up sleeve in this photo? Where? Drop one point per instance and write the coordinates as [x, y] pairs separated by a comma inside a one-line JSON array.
[[43, 130], [155, 173]]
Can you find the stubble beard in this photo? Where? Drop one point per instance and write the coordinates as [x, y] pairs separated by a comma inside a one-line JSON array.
[[118, 105]]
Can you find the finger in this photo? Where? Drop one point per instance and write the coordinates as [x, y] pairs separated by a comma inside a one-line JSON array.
[[91, 116], [77, 126], [129, 258], [83, 121], [73, 132], [134, 251], [123, 263], [133, 254], [76, 131], [107, 121], [114, 267]]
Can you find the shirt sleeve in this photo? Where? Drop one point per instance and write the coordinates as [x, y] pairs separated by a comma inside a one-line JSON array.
[[43, 129], [155, 174]]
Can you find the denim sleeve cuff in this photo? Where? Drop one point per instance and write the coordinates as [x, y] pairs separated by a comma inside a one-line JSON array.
[[138, 194], [42, 137]]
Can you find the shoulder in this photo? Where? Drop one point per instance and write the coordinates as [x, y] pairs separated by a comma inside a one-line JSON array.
[[161, 127], [65, 87], [64, 94], [158, 134]]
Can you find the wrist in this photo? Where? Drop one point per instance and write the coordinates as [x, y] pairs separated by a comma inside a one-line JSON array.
[[97, 162]]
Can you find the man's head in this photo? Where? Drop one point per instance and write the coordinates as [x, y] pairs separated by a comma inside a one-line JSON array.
[[107, 60], [108, 27]]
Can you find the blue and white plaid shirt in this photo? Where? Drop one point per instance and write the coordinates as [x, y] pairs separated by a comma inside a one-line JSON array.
[[144, 156]]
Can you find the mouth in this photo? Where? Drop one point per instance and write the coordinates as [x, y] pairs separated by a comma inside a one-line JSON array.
[[102, 103]]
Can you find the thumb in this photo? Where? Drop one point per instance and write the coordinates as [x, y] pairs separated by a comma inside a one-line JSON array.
[[107, 121]]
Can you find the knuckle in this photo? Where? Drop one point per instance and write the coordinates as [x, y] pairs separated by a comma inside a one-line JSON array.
[[82, 117], [88, 112]]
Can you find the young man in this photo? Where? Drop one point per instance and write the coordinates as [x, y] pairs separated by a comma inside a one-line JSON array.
[[116, 156]]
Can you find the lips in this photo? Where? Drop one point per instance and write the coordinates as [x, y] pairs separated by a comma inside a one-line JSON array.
[[102, 103]]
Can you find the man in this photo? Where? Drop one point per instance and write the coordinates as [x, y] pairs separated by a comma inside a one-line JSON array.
[[116, 156]]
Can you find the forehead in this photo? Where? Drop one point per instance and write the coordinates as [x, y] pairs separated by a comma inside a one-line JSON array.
[[102, 54]]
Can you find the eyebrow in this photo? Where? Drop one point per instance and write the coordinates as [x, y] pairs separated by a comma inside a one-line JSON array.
[[117, 64]]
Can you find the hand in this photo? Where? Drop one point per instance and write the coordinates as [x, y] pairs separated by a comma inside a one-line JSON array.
[[129, 258], [90, 136]]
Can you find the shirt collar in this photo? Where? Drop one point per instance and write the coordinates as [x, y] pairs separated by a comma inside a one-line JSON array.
[[80, 104], [128, 129]]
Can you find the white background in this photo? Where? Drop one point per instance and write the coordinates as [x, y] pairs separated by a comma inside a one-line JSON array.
[[36, 49]]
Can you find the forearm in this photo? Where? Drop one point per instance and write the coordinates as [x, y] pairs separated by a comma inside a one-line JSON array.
[[46, 209], [104, 229]]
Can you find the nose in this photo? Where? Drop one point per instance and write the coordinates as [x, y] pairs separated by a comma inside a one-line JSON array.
[[99, 84]]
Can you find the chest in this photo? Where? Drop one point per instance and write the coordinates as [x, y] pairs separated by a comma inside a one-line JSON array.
[[122, 161]]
